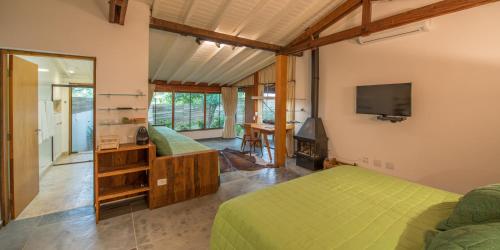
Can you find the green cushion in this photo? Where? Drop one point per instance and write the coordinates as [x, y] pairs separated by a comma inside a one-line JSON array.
[[482, 236], [481, 205], [162, 145]]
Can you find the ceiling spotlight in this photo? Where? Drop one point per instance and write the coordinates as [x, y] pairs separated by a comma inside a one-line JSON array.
[[71, 71], [43, 70]]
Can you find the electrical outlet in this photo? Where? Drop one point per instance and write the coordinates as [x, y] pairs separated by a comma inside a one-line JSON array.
[[389, 165], [366, 160], [161, 182], [377, 163]]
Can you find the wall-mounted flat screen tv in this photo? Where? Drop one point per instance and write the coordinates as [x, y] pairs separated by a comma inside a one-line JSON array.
[[384, 99]]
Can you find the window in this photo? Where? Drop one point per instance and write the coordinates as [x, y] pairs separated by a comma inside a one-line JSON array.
[[215, 111], [189, 110], [240, 108], [160, 110], [268, 104], [240, 113], [182, 107], [197, 111]]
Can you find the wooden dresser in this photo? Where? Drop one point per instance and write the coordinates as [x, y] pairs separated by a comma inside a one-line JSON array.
[[122, 173]]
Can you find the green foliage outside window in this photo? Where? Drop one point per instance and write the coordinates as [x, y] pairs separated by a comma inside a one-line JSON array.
[[188, 110]]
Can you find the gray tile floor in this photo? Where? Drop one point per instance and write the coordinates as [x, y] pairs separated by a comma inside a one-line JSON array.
[[184, 225], [62, 188]]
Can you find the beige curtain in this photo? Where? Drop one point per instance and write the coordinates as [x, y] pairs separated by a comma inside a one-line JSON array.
[[151, 92], [290, 105], [229, 101]]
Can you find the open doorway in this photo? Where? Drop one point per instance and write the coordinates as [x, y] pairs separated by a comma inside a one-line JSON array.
[[80, 119], [51, 123]]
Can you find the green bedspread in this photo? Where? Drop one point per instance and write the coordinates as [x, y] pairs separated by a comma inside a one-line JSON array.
[[342, 208], [170, 142]]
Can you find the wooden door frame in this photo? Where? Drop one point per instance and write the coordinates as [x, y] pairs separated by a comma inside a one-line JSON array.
[[5, 130], [70, 116], [4, 173]]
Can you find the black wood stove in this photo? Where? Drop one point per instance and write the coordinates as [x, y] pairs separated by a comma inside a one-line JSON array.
[[312, 143]]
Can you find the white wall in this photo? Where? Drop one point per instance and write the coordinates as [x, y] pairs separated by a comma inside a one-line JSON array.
[[82, 28], [452, 141], [302, 89], [44, 147]]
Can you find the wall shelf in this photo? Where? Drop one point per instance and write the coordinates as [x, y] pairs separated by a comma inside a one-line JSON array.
[[120, 123], [125, 94], [121, 109]]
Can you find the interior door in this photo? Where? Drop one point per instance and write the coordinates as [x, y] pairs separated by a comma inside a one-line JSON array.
[[24, 131]]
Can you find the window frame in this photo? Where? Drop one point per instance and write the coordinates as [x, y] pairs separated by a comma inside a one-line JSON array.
[[269, 86], [155, 107], [204, 109]]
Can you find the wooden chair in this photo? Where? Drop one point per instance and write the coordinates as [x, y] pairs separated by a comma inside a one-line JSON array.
[[251, 137]]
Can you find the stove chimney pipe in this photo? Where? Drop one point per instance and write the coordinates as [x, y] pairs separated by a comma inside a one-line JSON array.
[[314, 82]]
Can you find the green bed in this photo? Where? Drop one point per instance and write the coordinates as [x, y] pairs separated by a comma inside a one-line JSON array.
[[342, 208], [169, 142]]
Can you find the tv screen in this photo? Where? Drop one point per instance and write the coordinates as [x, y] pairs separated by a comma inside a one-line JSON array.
[[385, 99]]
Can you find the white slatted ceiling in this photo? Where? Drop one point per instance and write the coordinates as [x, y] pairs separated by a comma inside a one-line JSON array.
[[178, 58]]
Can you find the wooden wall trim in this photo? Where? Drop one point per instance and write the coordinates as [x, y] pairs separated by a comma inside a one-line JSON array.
[[4, 173], [48, 54], [163, 87]]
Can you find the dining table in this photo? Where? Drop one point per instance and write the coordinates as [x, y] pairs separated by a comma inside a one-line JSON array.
[[268, 129]]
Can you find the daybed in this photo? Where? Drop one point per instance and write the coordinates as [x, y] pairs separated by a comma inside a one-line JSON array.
[[183, 169], [342, 208]]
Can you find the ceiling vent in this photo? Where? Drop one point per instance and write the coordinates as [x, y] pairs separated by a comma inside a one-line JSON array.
[[396, 32]]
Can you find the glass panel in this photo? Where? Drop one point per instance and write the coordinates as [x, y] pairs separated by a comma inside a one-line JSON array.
[[160, 110], [182, 109], [196, 111], [215, 111], [82, 119], [268, 105], [240, 114]]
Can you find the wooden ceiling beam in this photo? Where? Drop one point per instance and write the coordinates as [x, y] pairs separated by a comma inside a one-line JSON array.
[[327, 21], [429, 11], [366, 14], [117, 11], [209, 35], [190, 87]]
